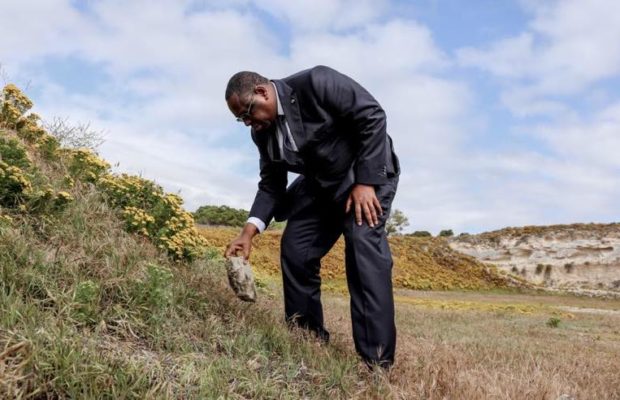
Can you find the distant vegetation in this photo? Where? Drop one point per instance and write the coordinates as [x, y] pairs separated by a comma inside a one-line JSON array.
[[396, 223], [227, 216], [221, 215], [420, 234]]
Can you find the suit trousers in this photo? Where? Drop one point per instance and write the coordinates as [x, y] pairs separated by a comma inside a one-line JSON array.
[[313, 227]]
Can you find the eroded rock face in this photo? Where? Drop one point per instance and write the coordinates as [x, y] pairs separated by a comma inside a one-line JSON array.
[[579, 256], [241, 278]]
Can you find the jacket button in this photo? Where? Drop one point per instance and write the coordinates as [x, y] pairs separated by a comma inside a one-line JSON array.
[[292, 101]]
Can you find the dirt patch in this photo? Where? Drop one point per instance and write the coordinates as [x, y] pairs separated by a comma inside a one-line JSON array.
[[590, 310]]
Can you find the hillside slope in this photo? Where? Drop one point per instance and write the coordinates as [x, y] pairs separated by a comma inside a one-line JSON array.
[[578, 256], [107, 292], [419, 263]]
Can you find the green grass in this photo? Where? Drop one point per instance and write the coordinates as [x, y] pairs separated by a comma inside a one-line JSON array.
[[90, 311]]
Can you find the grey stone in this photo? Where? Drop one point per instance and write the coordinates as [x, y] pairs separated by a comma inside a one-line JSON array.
[[241, 278]]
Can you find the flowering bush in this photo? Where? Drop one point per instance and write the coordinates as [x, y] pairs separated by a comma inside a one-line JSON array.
[[13, 108], [150, 211], [22, 186], [14, 180], [138, 220], [86, 165], [14, 104], [29, 129], [14, 185]]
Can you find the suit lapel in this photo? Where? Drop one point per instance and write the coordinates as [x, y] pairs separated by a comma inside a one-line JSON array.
[[290, 105]]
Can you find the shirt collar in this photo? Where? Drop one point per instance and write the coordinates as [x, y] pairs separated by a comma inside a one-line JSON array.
[[280, 109]]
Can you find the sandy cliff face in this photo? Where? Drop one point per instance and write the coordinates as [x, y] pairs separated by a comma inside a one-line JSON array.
[[579, 256]]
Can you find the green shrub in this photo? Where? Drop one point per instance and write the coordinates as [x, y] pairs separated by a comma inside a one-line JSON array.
[[15, 185], [553, 322], [15, 180], [154, 292], [420, 234], [221, 215], [13, 153], [86, 298]]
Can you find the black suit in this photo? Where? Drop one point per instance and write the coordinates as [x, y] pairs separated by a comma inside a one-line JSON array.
[[340, 133]]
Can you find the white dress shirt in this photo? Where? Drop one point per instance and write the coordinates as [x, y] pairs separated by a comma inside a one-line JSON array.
[[260, 224]]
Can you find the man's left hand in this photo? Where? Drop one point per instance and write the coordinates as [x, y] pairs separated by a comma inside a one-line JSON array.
[[365, 201]]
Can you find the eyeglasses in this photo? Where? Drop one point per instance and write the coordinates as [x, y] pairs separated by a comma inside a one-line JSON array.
[[248, 114]]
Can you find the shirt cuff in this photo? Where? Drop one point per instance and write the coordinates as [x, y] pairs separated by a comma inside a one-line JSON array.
[[258, 223]]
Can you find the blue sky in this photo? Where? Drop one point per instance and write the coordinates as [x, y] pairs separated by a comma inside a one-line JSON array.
[[504, 113]]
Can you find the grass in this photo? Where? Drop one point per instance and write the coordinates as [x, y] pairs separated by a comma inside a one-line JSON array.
[[490, 351], [496, 343], [89, 311]]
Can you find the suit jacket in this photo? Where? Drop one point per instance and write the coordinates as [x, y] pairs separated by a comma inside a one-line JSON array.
[[340, 132]]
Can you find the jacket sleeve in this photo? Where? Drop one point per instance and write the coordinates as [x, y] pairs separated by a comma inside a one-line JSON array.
[[271, 187], [344, 98]]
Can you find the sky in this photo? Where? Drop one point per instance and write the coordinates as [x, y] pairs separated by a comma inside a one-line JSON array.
[[503, 113]]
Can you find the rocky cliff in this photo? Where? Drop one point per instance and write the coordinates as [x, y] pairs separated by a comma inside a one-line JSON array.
[[578, 256]]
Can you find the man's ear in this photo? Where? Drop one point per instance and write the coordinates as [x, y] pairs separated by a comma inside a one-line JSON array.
[[261, 90]]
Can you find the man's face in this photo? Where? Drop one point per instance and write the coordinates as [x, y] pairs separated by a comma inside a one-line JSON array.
[[258, 108]]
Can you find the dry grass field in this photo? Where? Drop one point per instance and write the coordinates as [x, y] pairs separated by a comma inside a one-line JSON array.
[[459, 345], [484, 344]]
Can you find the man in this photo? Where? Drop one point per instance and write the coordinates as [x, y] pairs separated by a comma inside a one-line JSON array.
[[324, 126]]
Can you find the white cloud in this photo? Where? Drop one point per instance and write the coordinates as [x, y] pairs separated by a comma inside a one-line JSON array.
[[568, 46], [397, 62], [32, 27], [375, 52], [321, 15], [594, 142]]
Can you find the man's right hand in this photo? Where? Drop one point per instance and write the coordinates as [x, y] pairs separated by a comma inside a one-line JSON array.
[[243, 242]]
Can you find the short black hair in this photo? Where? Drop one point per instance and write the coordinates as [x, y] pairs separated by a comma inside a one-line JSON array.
[[244, 82]]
